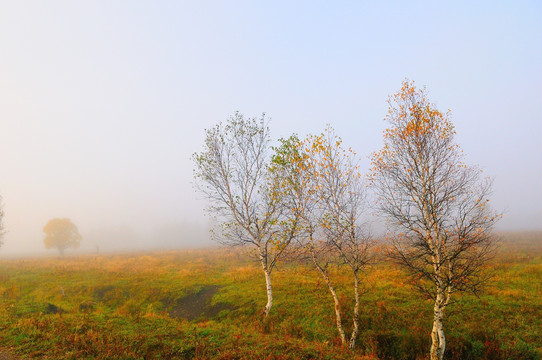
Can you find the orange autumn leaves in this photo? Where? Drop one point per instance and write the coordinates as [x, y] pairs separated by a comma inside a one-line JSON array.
[[414, 121], [308, 168]]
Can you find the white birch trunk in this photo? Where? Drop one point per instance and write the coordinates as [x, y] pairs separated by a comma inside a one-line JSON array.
[[438, 344], [338, 319], [269, 288], [355, 329]]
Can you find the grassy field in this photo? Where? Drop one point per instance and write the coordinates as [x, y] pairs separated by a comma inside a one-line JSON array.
[[207, 304]]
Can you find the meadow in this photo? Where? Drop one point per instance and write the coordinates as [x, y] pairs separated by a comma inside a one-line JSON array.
[[207, 304]]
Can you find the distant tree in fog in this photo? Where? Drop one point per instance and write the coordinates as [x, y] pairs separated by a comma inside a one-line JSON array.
[[233, 173], [61, 234]]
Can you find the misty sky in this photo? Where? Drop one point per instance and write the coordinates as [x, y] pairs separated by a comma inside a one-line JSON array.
[[102, 103]]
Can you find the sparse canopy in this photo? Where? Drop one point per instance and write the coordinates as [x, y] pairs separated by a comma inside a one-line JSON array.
[[436, 205], [61, 234]]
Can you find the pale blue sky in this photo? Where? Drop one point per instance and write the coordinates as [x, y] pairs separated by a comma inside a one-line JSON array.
[[103, 102]]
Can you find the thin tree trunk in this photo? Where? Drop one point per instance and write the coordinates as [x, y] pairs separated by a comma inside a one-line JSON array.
[[338, 319], [355, 329], [269, 294], [438, 344], [269, 288]]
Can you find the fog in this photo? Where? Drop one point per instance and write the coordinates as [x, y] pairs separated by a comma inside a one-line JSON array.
[[102, 103]]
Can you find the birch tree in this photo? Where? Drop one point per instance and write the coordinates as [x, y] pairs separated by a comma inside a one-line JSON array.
[[342, 194], [326, 197], [232, 172], [437, 207]]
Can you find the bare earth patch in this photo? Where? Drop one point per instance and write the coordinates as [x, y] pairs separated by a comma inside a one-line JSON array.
[[5, 355], [197, 305]]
